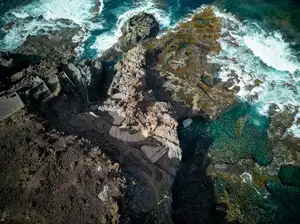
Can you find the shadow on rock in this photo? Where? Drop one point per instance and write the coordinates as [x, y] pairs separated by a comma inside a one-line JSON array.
[[193, 190]]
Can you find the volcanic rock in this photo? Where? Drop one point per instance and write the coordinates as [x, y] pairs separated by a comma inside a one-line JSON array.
[[280, 121], [131, 98], [50, 177], [138, 28]]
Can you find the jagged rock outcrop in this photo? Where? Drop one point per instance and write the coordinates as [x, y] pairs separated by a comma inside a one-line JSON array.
[[141, 134], [138, 28], [131, 98], [183, 74], [11, 63], [280, 121]]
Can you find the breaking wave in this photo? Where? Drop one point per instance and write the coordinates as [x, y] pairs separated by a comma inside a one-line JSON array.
[[42, 17], [263, 65], [109, 38]]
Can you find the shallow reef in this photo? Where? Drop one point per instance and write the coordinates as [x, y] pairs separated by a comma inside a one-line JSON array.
[[241, 133], [233, 154]]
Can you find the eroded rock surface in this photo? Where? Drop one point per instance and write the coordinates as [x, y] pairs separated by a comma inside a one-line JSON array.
[[59, 46], [140, 133], [50, 177], [131, 99], [183, 74], [138, 28]]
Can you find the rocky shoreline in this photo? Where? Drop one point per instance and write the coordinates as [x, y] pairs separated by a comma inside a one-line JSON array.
[[132, 109]]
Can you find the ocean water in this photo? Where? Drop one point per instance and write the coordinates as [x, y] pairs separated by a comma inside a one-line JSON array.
[[100, 29], [267, 67]]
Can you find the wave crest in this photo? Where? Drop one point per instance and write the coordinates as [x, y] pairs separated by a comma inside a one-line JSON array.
[[263, 65]]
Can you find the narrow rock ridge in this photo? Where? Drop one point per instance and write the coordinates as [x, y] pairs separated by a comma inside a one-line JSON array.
[[130, 98]]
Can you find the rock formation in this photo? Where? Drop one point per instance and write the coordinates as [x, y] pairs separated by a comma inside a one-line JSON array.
[[51, 177], [133, 113], [138, 28], [142, 133], [131, 98], [183, 75], [60, 46]]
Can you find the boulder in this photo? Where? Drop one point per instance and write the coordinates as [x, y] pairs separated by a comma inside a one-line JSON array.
[[280, 121], [138, 28], [58, 46]]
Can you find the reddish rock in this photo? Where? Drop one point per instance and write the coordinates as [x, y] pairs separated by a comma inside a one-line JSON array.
[[8, 26]]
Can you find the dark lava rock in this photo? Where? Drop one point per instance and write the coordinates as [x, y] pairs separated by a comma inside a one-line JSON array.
[[8, 26], [280, 122], [58, 45], [12, 63], [50, 177], [139, 28]]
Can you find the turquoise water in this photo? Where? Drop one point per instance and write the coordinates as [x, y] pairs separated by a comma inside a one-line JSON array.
[[239, 134]]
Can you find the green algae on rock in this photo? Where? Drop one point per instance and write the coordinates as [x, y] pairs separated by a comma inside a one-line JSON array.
[[247, 187], [182, 62]]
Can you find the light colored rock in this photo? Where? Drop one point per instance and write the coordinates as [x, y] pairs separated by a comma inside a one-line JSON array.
[[139, 117], [103, 195], [152, 118], [187, 122], [125, 135]]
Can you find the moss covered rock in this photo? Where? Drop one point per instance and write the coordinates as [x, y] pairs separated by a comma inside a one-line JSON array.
[[182, 64]]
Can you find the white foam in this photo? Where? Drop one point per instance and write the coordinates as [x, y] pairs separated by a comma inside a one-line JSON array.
[[252, 54], [108, 39], [272, 50], [42, 16], [78, 11], [15, 37]]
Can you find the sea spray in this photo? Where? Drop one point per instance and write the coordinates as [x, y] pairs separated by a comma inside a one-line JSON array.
[[263, 65], [42, 17], [109, 38]]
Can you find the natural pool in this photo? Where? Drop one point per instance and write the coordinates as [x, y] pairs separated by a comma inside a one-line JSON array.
[[220, 177]]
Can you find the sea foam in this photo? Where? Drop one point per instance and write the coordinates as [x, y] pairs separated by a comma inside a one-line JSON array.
[[41, 17], [267, 69], [109, 38]]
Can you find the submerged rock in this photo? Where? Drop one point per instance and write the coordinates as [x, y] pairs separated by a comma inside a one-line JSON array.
[[138, 28], [290, 175]]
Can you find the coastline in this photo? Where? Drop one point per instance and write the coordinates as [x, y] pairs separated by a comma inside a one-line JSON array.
[[146, 94]]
